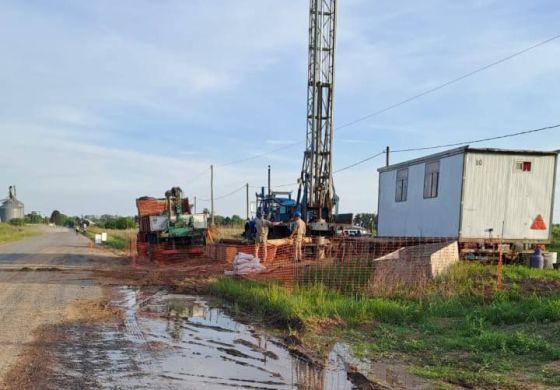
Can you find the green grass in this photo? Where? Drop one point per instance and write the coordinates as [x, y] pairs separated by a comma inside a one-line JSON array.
[[9, 233], [116, 239], [555, 244], [459, 329], [294, 307]]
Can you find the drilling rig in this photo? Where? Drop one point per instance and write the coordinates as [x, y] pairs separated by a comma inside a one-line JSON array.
[[316, 195]]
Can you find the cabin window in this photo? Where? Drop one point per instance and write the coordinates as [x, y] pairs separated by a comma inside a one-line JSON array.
[[402, 185], [523, 166], [431, 180]]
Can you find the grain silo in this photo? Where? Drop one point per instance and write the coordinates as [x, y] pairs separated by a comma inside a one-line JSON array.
[[11, 207]]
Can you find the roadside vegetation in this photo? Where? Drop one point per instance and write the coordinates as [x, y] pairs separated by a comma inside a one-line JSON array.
[[116, 238], [460, 329], [555, 244], [11, 232]]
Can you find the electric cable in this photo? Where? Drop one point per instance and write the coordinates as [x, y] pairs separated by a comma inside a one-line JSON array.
[[447, 83], [450, 145]]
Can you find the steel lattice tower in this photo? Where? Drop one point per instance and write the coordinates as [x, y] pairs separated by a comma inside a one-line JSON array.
[[316, 175]]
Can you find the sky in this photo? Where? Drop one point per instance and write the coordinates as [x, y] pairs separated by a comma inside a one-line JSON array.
[[102, 102]]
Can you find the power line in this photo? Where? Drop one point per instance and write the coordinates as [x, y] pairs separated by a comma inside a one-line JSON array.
[[478, 140], [450, 145], [226, 195], [199, 175], [369, 158], [405, 101], [359, 162], [259, 155], [447, 83]]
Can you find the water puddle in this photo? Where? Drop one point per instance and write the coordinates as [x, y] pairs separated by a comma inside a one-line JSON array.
[[174, 341], [391, 374], [179, 341]]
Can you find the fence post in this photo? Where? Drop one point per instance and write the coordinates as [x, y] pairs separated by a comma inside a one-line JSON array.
[[500, 266]]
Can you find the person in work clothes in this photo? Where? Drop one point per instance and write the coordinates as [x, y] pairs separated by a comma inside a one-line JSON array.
[[262, 226], [298, 234]]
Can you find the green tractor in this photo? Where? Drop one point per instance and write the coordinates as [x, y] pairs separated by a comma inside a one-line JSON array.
[[182, 226]]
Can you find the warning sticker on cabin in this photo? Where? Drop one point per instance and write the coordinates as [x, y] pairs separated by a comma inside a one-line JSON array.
[[538, 224]]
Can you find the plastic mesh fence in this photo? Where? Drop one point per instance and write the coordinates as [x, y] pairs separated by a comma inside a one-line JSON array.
[[365, 265]]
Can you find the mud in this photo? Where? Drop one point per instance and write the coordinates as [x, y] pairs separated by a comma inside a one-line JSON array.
[[179, 342]]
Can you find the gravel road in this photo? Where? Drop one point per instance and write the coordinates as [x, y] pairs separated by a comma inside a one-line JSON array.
[[39, 276]]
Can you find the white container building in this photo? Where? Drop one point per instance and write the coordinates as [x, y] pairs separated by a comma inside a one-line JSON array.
[[470, 194]]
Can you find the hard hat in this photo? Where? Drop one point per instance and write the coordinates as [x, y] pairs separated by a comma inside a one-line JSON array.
[[297, 214]]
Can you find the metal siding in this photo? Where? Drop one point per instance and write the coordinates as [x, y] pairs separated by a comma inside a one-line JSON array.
[[495, 195], [419, 217]]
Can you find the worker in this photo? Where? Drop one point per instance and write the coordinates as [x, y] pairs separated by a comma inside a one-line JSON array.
[[262, 225], [298, 234]]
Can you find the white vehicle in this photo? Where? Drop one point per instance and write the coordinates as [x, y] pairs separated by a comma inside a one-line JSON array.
[[356, 231]]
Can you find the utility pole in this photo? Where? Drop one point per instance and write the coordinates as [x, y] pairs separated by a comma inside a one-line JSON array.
[[195, 204], [247, 198], [212, 194], [387, 156], [269, 180]]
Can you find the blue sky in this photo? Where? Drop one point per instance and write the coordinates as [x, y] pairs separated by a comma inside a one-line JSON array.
[[103, 101]]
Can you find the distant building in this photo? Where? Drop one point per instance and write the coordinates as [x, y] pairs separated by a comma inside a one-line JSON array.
[[11, 207], [470, 194]]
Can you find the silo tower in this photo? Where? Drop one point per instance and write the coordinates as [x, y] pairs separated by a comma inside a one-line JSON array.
[[11, 207]]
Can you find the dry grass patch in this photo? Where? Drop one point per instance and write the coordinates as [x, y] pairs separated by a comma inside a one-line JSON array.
[[91, 310]]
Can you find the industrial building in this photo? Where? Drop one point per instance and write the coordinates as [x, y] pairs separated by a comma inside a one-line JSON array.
[[11, 207], [470, 194]]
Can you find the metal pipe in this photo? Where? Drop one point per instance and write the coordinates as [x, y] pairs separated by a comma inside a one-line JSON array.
[[269, 181], [387, 156], [212, 194]]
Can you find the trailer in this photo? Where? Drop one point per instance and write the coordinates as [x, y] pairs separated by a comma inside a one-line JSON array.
[[474, 195]]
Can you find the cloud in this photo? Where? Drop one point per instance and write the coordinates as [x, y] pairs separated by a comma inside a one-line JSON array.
[[103, 101]]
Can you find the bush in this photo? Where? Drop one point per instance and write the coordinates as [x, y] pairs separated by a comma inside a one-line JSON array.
[[17, 222], [123, 223]]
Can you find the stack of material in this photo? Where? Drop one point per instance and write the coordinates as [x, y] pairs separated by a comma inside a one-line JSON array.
[[147, 207], [413, 265], [245, 264], [150, 206]]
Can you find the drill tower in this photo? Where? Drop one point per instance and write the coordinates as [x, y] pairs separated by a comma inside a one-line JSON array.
[[318, 198]]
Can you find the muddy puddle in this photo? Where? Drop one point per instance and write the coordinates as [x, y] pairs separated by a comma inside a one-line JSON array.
[[179, 342]]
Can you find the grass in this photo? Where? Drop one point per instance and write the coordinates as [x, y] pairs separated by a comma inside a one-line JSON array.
[[295, 306], [9, 233], [555, 243], [227, 233], [116, 239], [459, 329]]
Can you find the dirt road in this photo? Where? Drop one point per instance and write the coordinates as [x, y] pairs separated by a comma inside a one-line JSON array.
[[39, 276]]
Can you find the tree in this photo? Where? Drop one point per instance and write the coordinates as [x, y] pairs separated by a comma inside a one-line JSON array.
[[17, 222], [33, 218], [124, 223], [69, 222], [58, 218], [367, 221], [54, 216], [237, 220], [218, 220]]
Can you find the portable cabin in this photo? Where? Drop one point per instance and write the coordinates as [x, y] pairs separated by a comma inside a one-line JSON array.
[[470, 194]]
